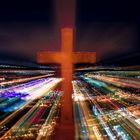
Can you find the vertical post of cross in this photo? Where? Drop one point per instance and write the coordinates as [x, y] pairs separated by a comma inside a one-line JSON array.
[[67, 71]]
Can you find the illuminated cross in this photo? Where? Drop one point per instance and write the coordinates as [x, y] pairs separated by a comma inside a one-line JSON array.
[[66, 58]]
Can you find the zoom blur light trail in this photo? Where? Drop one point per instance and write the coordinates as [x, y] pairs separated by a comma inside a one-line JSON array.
[[124, 82], [104, 124], [39, 120], [113, 100], [101, 116], [92, 128], [39, 89], [23, 80], [33, 91]]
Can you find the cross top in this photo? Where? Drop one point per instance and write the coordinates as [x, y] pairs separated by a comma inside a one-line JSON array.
[[66, 52]]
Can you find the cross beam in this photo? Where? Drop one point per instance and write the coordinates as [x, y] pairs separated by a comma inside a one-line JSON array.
[[66, 51], [56, 57]]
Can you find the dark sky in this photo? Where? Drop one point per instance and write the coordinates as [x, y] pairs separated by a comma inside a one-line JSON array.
[[111, 28]]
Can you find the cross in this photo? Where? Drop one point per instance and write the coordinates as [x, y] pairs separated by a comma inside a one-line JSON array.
[[66, 58]]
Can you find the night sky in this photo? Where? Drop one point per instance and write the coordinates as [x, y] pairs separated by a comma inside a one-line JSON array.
[[111, 28]]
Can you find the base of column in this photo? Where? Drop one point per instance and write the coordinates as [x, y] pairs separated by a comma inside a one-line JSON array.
[[64, 131]]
